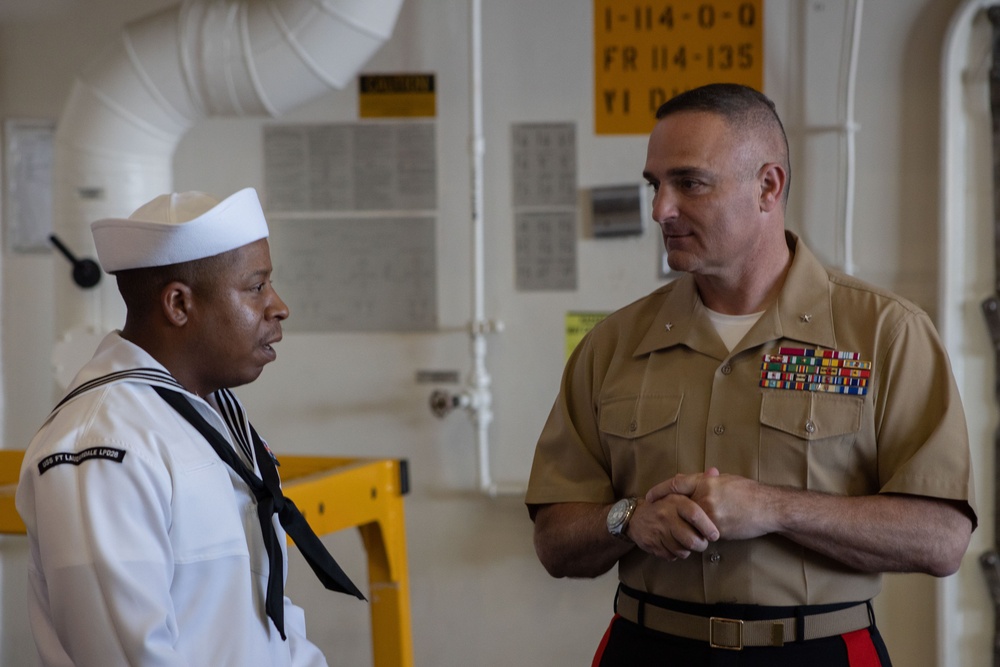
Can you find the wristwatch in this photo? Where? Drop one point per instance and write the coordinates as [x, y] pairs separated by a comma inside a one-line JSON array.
[[619, 516]]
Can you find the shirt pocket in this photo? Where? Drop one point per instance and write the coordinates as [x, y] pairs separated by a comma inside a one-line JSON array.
[[807, 439], [640, 436], [209, 517]]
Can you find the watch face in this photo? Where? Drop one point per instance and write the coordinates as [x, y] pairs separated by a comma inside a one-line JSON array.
[[617, 513]]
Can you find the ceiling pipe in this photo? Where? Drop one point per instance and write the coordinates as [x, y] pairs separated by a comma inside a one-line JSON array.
[[130, 107]]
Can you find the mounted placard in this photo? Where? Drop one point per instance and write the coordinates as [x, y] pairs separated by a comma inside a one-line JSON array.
[[647, 52], [353, 211], [543, 162], [396, 96], [28, 156]]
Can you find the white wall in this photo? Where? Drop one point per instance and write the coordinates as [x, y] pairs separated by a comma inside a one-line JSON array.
[[479, 595]]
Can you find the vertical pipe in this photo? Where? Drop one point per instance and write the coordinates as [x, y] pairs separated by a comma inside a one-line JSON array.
[[481, 402], [851, 130], [478, 152], [951, 243]]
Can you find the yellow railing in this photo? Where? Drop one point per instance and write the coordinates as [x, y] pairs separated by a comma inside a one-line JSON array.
[[333, 494], [10, 468]]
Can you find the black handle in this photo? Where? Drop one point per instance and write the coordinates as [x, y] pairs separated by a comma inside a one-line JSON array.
[[86, 272]]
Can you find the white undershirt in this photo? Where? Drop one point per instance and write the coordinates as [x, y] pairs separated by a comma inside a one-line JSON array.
[[732, 328]]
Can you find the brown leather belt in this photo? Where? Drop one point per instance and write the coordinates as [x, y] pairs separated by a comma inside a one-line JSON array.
[[734, 633]]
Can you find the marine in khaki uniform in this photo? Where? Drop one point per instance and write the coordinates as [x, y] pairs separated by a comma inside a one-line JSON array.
[[754, 443]]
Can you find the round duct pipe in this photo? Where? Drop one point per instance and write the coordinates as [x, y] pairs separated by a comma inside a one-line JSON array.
[[130, 107]]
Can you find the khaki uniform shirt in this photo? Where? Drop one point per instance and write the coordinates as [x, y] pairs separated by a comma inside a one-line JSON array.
[[652, 391]]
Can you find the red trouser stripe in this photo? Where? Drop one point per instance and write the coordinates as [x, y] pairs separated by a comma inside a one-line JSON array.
[[604, 643], [860, 649]]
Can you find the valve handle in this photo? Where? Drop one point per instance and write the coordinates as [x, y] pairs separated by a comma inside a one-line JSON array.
[[86, 272]]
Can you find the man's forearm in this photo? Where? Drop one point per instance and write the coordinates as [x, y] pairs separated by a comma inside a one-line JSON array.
[[875, 533], [880, 533], [572, 540]]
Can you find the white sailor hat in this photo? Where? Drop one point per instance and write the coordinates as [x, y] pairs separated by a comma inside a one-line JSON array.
[[179, 227]]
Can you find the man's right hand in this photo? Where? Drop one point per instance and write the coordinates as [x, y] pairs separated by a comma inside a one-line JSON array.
[[671, 526]]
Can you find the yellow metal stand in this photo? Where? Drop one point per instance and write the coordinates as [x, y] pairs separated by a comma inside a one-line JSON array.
[[10, 469], [333, 494]]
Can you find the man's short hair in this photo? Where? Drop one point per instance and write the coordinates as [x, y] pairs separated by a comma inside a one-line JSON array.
[[744, 108], [141, 288]]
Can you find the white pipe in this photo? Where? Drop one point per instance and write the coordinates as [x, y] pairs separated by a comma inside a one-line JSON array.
[[478, 147], [478, 398], [851, 129], [951, 243], [479, 377], [952, 209], [848, 128], [130, 107], [481, 399]]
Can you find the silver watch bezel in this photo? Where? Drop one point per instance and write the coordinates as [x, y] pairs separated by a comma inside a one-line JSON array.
[[619, 516]]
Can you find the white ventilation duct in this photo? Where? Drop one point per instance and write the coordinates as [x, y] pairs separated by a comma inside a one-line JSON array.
[[131, 106]]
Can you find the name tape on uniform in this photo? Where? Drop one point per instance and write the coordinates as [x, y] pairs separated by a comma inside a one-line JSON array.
[[76, 458]]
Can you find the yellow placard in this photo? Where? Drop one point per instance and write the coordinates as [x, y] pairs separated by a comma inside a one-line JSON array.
[[647, 52], [396, 96], [577, 326]]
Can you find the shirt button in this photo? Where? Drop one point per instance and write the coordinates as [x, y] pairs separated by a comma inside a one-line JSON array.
[[633, 426], [715, 557], [810, 426], [727, 369], [719, 429]]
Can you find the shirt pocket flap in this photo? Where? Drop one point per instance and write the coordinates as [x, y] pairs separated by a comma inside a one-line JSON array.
[[811, 415], [636, 416]]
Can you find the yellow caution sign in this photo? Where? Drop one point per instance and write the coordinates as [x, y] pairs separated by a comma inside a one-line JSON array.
[[577, 326], [396, 96], [647, 52]]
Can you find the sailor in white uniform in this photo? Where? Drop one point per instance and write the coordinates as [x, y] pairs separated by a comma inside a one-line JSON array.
[[146, 547]]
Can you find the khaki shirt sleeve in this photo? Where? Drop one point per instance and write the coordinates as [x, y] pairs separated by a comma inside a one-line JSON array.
[[570, 463], [920, 424]]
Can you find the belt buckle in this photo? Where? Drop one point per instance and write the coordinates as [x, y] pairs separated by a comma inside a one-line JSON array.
[[716, 621]]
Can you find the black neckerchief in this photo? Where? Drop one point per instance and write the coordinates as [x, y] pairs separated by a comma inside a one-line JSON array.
[[270, 501]]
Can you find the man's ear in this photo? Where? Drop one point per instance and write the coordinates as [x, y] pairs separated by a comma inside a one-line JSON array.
[[772, 179], [177, 303]]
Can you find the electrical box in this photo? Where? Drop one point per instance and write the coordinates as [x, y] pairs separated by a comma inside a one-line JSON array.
[[617, 210]]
